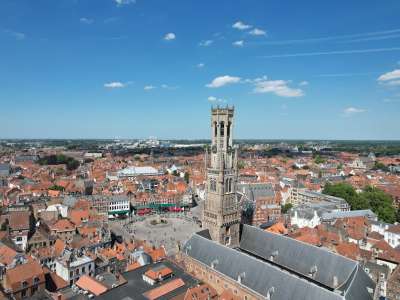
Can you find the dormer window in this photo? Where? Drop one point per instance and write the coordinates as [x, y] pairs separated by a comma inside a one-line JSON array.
[[214, 263], [313, 271], [24, 284]]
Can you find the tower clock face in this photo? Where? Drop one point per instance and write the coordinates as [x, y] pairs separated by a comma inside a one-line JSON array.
[[214, 149]]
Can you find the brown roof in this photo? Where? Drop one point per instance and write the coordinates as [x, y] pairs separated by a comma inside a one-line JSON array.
[[57, 280], [394, 229], [201, 292], [7, 255], [90, 284], [164, 289], [155, 274], [59, 247], [19, 220], [25, 272], [63, 225]]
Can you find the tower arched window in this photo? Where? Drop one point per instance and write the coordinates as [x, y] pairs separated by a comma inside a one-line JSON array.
[[221, 128], [213, 185], [215, 129], [230, 185], [227, 186]]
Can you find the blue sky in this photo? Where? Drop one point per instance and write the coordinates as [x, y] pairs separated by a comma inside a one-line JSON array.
[[131, 69]]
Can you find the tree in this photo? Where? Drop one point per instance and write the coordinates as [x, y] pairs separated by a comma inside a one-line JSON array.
[[380, 203], [319, 160], [370, 198], [380, 166], [285, 208], [240, 164], [56, 188]]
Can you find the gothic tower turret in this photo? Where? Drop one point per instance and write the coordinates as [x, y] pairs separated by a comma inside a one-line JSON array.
[[221, 212]]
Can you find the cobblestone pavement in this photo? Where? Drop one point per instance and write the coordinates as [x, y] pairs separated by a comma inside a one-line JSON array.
[[176, 231]]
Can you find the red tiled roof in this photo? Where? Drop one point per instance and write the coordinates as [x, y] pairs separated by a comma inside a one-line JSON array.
[[90, 284], [164, 289]]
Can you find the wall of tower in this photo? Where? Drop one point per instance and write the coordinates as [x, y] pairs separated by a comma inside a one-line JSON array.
[[221, 212]]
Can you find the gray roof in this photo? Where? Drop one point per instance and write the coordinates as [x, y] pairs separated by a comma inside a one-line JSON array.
[[253, 191], [349, 214], [258, 275], [299, 257]]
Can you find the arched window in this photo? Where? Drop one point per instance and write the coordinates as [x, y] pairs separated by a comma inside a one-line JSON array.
[[215, 129], [213, 185], [227, 186], [221, 128], [230, 185]]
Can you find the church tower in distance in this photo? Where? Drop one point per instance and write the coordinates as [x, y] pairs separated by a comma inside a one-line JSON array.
[[221, 214]]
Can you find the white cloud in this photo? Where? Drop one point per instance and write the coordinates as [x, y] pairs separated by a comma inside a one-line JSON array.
[[201, 65], [238, 43], [86, 21], [393, 83], [170, 36], [223, 80], [395, 74], [149, 87], [124, 2], [241, 26], [169, 87], [303, 83], [206, 43], [257, 31], [215, 99], [349, 111], [277, 87], [115, 85], [19, 36]]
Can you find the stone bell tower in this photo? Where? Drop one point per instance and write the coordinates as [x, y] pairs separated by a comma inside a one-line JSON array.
[[221, 211]]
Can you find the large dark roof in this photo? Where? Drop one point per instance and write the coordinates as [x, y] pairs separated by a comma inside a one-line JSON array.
[[298, 257], [288, 275]]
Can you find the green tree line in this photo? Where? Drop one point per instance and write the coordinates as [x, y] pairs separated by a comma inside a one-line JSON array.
[[370, 198], [59, 159]]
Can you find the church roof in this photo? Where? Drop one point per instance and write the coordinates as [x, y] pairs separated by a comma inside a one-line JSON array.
[[284, 281], [297, 256]]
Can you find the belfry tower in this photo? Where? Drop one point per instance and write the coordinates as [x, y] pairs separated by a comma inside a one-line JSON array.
[[221, 214]]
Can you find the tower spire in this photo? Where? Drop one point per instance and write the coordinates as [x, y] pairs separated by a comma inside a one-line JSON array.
[[221, 214]]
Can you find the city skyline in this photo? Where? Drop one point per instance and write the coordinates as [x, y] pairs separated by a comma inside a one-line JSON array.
[[132, 69]]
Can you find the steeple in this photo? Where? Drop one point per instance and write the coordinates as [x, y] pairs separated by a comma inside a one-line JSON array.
[[221, 212]]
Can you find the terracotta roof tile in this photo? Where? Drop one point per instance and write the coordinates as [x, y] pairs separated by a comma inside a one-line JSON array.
[[164, 289], [90, 284]]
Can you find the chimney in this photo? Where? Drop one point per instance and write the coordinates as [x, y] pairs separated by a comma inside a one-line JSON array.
[[335, 281]]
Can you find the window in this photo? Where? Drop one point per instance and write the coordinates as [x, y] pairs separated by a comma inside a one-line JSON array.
[[34, 289], [36, 280], [83, 269], [71, 274], [221, 128], [215, 129], [213, 184], [19, 239], [24, 284]]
